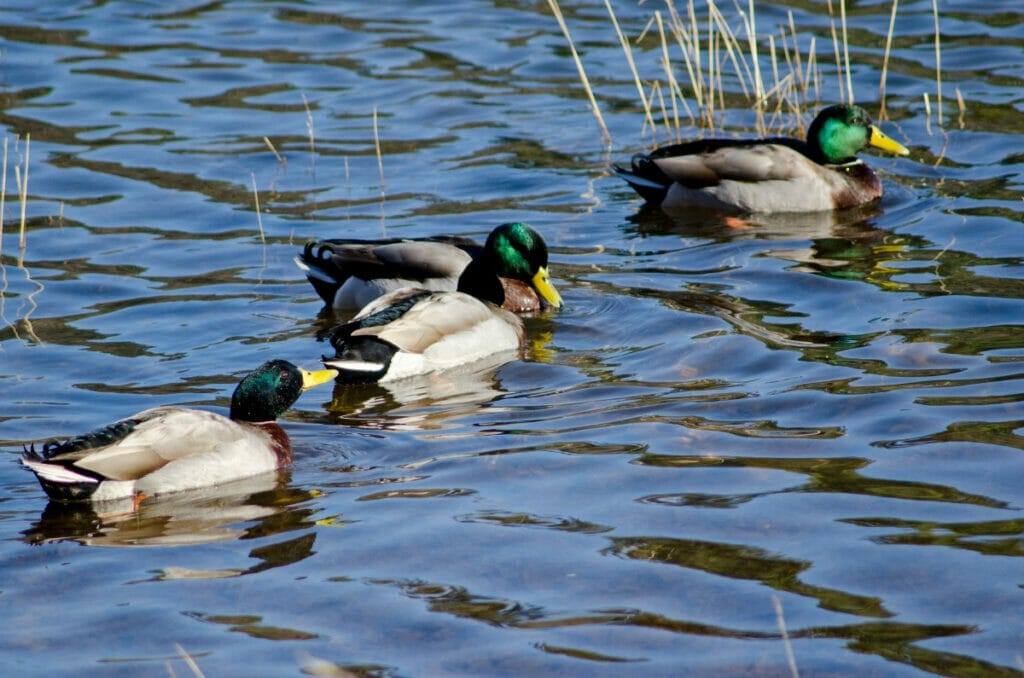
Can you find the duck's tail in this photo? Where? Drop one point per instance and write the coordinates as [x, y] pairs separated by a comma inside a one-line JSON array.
[[311, 262], [646, 179], [60, 481]]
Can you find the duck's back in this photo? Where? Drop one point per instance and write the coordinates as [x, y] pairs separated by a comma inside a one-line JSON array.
[[161, 450]]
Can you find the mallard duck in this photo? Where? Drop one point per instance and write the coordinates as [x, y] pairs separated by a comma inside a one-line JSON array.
[[352, 273], [416, 331], [768, 175], [168, 449]]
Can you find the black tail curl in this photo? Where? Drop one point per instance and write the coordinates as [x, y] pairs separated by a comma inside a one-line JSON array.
[[99, 438]]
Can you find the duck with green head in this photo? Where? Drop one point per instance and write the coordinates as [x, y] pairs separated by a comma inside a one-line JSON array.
[[349, 273], [779, 174], [170, 449], [414, 330]]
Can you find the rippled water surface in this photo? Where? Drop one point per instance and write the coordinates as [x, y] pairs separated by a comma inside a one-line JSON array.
[[743, 448]]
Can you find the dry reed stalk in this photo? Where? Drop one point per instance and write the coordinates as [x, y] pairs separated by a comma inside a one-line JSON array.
[[256, 200], [710, 47], [796, 65], [885, 61], [938, 64], [656, 92], [380, 157], [712, 63], [691, 54], [22, 180], [380, 171], [812, 68], [691, 12], [632, 65], [190, 662], [846, 52], [557, 11], [781, 620], [835, 50], [760, 100], [732, 48], [794, 73], [673, 85], [309, 126], [775, 61], [962, 108], [719, 87], [273, 150], [3, 194], [773, 53]]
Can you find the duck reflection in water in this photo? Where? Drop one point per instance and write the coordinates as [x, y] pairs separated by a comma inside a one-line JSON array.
[[424, 402], [262, 505]]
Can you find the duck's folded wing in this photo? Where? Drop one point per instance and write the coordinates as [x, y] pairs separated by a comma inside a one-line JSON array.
[[163, 435], [740, 162], [406, 259], [441, 316]]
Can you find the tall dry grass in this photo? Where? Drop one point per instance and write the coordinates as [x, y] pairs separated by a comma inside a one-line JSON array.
[[713, 60], [21, 181]]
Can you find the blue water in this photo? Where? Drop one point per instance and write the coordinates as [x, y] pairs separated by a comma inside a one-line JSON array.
[[738, 443]]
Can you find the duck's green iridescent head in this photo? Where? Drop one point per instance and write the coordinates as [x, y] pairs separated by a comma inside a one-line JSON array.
[[269, 390], [839, 132], [517, 251]]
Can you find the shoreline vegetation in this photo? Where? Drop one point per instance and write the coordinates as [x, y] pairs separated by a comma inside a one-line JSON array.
[[727, 66]]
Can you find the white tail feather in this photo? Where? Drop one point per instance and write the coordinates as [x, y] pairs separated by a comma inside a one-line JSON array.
[[56, 473], [354, 365], [313, 271]]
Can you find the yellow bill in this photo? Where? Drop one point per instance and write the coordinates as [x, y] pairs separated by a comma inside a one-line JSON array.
[[879, 140], [542, 283], [316, 377]]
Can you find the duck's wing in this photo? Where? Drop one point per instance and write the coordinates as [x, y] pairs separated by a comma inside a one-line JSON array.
[[404, 259], [137, 446], [708, 163], [349, 273], [424, 331], [440, 316]]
